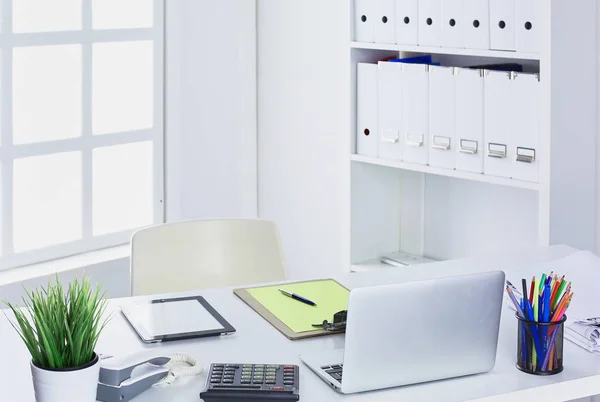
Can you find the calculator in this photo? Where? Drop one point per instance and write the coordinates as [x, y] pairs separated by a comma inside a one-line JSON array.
[[227, 382]]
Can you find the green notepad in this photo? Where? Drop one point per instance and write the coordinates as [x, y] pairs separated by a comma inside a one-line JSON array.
[[329, 296]]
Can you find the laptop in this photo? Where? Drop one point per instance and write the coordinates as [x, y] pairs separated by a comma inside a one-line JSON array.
[[415, 332]]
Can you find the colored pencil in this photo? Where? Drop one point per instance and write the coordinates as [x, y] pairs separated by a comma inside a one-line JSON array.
[[553, 339], [542, 283], [534, 306], [555, 286], [531, 290], [563, 283], [515, 302]]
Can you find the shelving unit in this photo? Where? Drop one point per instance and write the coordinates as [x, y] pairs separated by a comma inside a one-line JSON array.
[[413, 167], [444, 213], [441, 50]]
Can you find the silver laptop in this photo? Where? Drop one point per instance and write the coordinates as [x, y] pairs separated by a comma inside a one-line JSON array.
[[414, 332]]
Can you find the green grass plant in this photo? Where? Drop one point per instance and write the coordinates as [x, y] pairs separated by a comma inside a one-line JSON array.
[[61, 329]]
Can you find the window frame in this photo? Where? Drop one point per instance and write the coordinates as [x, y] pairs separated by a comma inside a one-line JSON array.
[[85, 37]]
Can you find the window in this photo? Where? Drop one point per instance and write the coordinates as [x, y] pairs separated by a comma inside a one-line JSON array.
[[81, 125]]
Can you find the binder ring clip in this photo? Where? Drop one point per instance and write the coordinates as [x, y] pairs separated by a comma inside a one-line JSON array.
[[338, 324]]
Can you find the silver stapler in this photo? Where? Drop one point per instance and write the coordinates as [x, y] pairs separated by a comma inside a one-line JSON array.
[[117, 381]]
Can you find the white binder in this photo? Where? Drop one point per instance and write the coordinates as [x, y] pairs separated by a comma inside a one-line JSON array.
[[477, 25], [390, 110], [407, 22], [527, 25], [469, 120], [367, 142], [497, 123], [364, 20], [385, 21], [502, 24], [415, 113], [430, 22], [525, 130], [442, 117], [453, 22]]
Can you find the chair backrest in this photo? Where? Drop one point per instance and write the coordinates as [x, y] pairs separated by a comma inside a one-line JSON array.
[[200, 254]]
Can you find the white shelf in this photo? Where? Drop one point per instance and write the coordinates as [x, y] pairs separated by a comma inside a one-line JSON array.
[[446, 50], [370, 265], [446, 172]]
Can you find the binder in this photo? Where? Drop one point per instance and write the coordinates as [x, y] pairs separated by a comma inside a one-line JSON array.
[[385, 21], [430, 22], [415, 113], [364, 20], [407, 22], [442, 117], [527, 25], [366, 110], [497, 123], [453, 22], [525, 130], [477, 25], [502, 24], [469, 120], [390, 110]]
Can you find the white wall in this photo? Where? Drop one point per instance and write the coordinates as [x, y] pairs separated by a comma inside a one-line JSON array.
[[303, 146], [211, 109], [598, 135], [210, 142]]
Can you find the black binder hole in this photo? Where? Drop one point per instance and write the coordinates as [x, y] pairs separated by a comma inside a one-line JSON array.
[[384, 19], [367, 132], [363, 18], [476, 23], [528, 26], [429, 21], [452, 22], [502, 24], [406, 20]]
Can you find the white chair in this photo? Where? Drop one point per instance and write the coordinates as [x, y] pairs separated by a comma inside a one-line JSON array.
[[200, 254]]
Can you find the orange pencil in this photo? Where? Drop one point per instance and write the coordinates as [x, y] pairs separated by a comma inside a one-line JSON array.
[[562, 311], [560, 307]]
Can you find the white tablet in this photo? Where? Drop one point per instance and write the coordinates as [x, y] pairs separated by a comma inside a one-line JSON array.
[[175, 319]]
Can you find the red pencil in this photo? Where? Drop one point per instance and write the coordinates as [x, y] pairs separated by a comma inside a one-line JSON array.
[[531, 290]]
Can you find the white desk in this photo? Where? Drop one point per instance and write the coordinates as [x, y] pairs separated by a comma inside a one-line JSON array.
[[257, 341]]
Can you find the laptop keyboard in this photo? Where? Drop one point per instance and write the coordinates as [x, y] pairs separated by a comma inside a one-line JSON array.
[[334, 371]]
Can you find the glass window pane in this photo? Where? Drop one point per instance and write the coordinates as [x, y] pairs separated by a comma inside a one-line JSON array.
[[122, 86], [46, 15], [122, 187], [47, 200], [46, 93], [114, 14]]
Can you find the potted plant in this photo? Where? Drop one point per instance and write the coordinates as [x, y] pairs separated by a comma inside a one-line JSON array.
[[60, 330]]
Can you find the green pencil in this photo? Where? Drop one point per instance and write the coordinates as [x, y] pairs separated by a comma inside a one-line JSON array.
[[534, 305], [559, 293], [542, 282]]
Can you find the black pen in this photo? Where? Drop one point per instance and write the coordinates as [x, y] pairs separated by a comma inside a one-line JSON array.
[[297, 297]]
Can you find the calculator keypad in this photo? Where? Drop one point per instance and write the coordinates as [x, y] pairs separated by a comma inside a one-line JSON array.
[[254, 377]]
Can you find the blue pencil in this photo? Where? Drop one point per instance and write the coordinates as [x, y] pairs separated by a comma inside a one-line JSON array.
[[534, 332], [524, 337], [546, 318]]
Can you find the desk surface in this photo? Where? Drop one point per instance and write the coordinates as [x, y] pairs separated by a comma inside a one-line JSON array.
[[257, 341]]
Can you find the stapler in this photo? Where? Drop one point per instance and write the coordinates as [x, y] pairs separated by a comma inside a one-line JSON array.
[[116, 382]]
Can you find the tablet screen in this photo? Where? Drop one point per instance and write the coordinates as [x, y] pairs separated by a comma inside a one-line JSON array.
[[173, 317]]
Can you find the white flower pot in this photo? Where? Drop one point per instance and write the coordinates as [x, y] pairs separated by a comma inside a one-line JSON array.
[[77, 385]]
